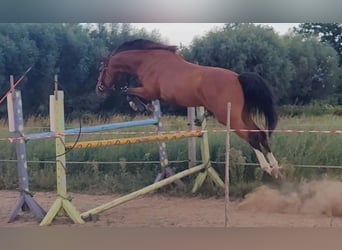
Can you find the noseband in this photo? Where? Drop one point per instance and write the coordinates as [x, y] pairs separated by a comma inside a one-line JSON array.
[[100, 86]]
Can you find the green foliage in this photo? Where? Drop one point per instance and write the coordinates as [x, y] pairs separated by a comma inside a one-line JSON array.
[[315, 70], [245, 47], [330, 33], [73, 51], [299, 70], [8, 175], [313, 109]]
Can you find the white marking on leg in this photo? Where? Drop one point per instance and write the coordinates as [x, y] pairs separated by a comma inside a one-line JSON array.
[[133, 106], [273, 161], [274, 164], [262, 161]]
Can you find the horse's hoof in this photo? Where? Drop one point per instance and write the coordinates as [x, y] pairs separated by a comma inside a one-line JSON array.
[[278, 173], [133, 106], [149, 109]]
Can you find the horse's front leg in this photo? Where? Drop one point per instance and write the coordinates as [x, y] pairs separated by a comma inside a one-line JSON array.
[[135, 102], [140, 92]]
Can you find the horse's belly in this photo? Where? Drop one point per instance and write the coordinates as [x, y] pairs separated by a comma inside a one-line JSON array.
[[181, 98]]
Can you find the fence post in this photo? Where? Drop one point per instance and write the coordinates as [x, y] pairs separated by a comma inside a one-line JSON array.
[[164, 162], [205, 153], [192, 140], [226, 216], [63, 202]]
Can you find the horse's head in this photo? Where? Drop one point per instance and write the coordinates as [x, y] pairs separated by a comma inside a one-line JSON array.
[[106, 80]]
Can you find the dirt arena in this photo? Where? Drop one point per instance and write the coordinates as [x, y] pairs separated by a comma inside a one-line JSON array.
[[314, 204]]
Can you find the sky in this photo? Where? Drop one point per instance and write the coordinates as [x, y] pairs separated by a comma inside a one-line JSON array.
[[183, 33]]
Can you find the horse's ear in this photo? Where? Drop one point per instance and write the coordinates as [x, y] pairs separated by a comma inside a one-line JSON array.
[[172, 48]]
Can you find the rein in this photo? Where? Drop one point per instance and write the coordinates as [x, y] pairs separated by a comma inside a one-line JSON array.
[[100, 86], [15, 84]]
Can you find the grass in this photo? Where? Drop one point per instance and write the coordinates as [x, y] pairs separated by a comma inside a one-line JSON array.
[[123, 176]]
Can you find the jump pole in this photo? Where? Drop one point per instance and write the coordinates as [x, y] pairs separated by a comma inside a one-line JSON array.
[[134, 140], [62, 204], [93, 129], [26, 202], [142, 191], [226, 204]]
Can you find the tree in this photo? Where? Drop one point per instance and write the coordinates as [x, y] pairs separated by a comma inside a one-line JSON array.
[[246, 47], [17, 53], [315, 69], [74, 52], [330, 33]]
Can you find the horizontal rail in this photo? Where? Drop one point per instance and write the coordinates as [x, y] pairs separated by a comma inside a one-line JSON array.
[[133, 140], [92, 129], [112, 126], [75, 131], [175, 161], [282, 131], [99, 162]]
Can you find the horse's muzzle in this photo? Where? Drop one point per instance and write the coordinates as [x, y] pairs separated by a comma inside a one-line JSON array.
[[102, 90]]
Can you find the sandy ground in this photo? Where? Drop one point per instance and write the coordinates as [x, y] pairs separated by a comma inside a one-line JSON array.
[[314, 204]]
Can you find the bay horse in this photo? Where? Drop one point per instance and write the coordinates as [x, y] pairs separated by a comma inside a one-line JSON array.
[[166, 76]]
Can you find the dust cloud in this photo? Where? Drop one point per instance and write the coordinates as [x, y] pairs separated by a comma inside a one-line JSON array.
[[314, 197]]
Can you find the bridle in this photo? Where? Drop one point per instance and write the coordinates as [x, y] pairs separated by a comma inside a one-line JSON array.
[[100, 86]]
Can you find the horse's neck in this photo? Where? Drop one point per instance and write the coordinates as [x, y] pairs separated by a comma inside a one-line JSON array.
[[121, 63], [138, 61]]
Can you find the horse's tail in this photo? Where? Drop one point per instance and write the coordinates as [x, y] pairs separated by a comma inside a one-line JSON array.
[[259, 98]]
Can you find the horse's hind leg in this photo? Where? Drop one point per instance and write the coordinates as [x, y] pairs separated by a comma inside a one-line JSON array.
[[272, 160], [259, 143], [255, 139], [267, 151]]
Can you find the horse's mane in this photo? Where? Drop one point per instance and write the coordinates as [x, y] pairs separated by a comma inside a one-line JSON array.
[[143, 44]]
